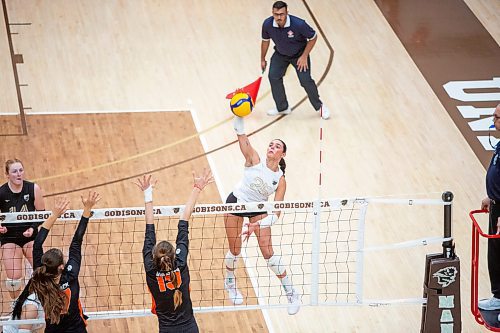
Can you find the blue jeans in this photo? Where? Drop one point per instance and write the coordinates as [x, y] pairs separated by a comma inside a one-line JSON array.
[[277, 70]]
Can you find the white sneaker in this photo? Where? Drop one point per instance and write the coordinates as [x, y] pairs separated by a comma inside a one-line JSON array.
[[324, 111], [275, 112], [489, 304], [234, 294], [293, 302]]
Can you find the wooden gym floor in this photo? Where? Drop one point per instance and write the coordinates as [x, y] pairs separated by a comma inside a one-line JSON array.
[[103, 82]]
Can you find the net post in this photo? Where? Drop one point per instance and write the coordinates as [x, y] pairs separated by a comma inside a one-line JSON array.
[[360, 254], [448, 248], [442, 311], [315, 252]]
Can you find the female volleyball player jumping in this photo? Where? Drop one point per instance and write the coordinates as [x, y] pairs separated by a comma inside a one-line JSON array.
[[167, 272], [55, 282], [16, 239], [261, 178]]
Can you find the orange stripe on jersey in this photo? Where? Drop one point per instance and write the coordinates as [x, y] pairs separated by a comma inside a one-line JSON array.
[[81, 312], [153, 306], [67, 292]]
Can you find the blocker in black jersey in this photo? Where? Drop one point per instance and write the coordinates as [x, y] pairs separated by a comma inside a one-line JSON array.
[[73, 320], [167, 272], [162, 289], [54, 281]]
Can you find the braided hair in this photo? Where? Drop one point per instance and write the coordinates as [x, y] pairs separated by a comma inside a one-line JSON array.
[[164, 260]]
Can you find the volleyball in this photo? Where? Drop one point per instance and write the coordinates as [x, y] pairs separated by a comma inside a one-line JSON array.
[[241, 104]]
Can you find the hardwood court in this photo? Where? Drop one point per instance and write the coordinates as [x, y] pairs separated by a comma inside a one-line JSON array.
[[130, 56]]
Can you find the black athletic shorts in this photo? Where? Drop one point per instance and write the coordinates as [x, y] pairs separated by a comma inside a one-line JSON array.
[[15, 235], [232, 199], [190, 327]]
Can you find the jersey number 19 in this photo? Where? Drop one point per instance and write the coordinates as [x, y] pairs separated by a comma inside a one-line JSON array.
[[165, 282]]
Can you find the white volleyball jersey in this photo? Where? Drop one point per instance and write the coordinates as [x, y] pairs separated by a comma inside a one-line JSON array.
[[31, 300], [258, 183]]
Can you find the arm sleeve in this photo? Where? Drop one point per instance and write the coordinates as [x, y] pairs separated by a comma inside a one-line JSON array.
[[75, 249], [38, 247], [307, 31], [265, 32], [182, 243], [149, 243]]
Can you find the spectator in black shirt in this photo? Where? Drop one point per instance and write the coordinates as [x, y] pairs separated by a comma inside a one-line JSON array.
[[55, 282], [16, 239], [167, 272]]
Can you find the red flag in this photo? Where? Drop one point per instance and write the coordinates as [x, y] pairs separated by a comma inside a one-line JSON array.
[[252, 89]]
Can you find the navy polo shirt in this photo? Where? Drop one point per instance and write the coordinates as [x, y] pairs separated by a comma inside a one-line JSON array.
[[290, 40], [493, 176]]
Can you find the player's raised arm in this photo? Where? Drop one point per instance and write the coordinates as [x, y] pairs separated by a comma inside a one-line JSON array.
[[251, 156], [199, 183], [147, 184], [60, 207]]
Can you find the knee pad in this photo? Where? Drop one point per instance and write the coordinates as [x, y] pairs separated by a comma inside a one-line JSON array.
[[231, 260], [276, 264], [13, 285]]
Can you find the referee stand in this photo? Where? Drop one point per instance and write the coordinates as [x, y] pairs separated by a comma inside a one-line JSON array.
[[442, 312], [483, 317]]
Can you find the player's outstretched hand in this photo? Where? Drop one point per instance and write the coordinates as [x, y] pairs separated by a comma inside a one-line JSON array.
[[203, 180], [145, 182], [61, 205], [239, 125], [92, 198]]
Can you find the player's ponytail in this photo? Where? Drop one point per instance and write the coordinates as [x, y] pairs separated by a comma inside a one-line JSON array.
[[161, 253], [282, 165], [43, 283], [177, 292], [282, 162], [164, 259]]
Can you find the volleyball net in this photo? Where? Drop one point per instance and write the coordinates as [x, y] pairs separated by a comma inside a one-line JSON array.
[[321, 243]]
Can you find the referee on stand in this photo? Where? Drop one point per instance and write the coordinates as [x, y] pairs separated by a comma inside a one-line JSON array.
[[492, 204]]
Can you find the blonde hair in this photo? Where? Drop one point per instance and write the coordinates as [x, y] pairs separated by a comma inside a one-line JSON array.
[[8, 163]]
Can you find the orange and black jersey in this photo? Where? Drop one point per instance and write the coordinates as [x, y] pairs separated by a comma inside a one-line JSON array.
[[160, 286], [73, 321]]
